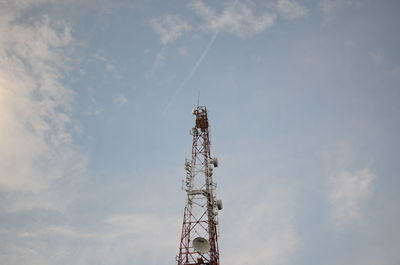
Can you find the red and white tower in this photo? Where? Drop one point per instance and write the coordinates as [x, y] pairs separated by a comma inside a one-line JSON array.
[[199, 238]]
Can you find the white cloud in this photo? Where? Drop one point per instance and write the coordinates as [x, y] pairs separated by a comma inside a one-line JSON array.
[[169, 27], [348, 192], [36, 146], [237, 19], [290, 9]]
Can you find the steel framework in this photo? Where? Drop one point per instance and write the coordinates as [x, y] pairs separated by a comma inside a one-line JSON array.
[[200, 219]]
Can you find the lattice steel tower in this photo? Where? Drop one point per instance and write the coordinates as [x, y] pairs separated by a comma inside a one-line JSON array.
[[199, 238]]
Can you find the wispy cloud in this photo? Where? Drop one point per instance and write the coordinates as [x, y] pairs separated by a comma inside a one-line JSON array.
[[170, 27], [159, 61], [348, 192], [377, 57], [93, 108], [120, 100], [290, 9], [393, 73], [266, 228], [194, 69], [182, 51], [237, 19], [119, 238], [108, 66], [37, 150], [113, 70], [329, 8]]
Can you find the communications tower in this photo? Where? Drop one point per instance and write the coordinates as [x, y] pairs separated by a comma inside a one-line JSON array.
[[199, 238]]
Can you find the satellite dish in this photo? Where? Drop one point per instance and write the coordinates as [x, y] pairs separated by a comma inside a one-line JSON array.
[[219, 205], [215, 162], [201, 245]]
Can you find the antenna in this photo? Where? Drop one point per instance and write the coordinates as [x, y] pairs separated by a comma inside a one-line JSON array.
[[198, 98], [199, 238]]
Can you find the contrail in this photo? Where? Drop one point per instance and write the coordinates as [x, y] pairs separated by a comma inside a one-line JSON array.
[[194, 69]]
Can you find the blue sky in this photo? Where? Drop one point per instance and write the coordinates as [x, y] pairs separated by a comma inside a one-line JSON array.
[[96, 99]]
